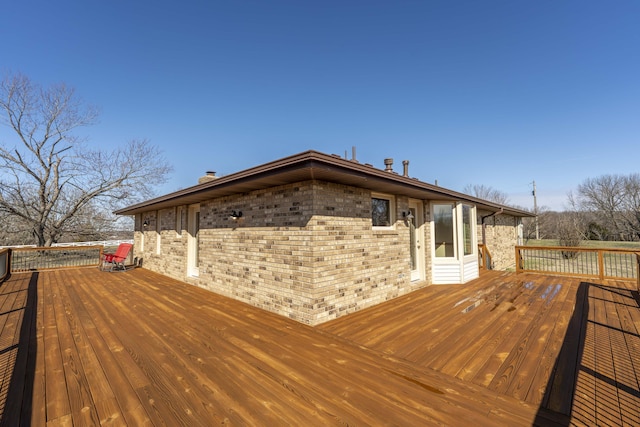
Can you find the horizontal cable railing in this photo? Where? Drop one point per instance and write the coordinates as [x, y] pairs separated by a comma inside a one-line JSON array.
[[575, 261], [44, 258]]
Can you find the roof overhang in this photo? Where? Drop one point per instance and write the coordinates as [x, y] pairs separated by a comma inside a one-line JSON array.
[[313, 165]]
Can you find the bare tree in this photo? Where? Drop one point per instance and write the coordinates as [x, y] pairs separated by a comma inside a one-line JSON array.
[[12, 231], [487, 193], [614, 204], [48, 176]]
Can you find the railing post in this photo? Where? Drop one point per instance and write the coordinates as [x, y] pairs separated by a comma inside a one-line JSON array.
[[601, 264], [638, 270], [5, 267], [518, 261]]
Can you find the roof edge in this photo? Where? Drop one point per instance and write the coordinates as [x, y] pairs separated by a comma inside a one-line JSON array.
[[306, 158]]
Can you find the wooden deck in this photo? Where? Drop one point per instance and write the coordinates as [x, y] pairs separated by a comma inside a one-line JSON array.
[[520, 335], [84, 347]]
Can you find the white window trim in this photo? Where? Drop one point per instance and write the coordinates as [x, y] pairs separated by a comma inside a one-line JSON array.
[[392, 210], [454, 206], [193, 267], [473, 217]]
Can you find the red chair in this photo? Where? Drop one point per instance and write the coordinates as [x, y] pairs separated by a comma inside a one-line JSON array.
[[116, 260]]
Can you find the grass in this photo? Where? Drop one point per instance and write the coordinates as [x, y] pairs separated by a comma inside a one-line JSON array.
[[595, 244]]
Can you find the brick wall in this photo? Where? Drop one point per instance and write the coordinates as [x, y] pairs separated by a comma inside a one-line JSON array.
[[306, 250], [501, 233]]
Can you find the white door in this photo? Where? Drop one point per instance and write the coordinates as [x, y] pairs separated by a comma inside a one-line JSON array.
[[193, 242], [416, 236]]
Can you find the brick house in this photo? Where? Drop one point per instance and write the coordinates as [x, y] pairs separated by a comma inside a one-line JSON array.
[[315, 236]]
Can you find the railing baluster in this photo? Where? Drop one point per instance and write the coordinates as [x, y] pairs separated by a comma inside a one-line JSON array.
[[583, 262], [29, 259]]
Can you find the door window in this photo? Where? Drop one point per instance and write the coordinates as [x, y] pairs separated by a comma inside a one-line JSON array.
[[443, 228], [467, 230]]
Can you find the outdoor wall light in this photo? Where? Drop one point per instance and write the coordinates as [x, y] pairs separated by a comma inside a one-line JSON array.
[[235, 215], [145, 224]]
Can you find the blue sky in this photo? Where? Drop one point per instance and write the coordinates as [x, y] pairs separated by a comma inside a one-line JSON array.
[[499, 93]]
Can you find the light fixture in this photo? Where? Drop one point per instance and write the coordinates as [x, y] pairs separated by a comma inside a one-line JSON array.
[[145, 224], [235, 215]]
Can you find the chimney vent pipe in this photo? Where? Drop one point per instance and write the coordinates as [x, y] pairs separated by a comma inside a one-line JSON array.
[[388, 165], [405, 164]]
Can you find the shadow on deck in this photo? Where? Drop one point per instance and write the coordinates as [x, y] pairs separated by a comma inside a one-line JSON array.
[[17, 353], [598, 365]]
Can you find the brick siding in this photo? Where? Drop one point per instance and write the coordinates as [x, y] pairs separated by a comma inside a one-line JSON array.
[[307, 251]]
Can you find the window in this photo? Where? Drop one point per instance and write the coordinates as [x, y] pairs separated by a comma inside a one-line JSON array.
[[467, 230], [382, 210], [158, 233], [140, 226], [443, 230], [179, 222], [193, 242]]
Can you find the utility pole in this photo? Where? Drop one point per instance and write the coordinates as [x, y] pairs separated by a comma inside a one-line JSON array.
[[535, 208]]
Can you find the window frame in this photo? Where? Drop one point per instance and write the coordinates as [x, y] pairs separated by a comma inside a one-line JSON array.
[[471, 239], [454, 230], [392, 210]]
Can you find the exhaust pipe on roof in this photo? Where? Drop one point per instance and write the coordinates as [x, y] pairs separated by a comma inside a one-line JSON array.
[[388, 163], [405, 165]]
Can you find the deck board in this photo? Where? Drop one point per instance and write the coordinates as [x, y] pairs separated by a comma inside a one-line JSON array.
[[83, 347], [532, 337]]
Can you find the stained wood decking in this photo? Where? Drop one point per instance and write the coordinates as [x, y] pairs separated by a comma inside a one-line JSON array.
[[83, 347], [519, 335]]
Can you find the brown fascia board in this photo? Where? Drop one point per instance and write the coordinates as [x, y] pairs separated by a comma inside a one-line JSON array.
[[311, 165]]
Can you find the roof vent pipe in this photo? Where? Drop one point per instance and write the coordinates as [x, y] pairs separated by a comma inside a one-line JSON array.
[[388, 165], [405, 165]]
